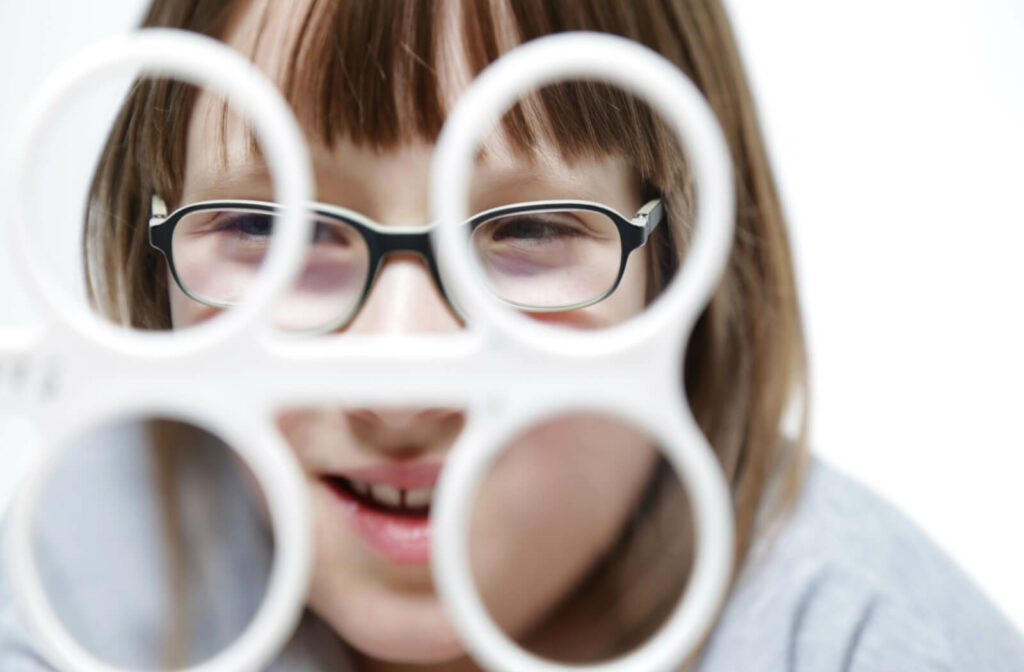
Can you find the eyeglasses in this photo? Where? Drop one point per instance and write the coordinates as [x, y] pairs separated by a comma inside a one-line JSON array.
[[541, 256]]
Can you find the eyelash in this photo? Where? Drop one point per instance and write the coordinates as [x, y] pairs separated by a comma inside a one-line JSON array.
[[323, 232], [232, 224], [508, 229]]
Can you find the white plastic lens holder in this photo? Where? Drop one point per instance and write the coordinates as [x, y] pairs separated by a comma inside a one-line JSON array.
[[508, 372], [76, 338], [640, 359]]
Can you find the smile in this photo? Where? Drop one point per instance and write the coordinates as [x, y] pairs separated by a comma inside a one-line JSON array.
[[413, 502], [388, 506]]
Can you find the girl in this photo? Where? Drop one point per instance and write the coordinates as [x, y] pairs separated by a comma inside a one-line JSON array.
[[827, 577]]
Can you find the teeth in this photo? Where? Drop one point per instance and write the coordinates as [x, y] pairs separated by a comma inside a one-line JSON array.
[[387, 495], [418, 499], [393, 497]]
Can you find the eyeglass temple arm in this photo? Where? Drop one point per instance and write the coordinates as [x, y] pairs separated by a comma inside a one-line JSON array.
[[158, 210], [650, 216]]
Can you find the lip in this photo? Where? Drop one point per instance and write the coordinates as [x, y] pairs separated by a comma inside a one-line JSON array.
[[404, 476], [400, 539]]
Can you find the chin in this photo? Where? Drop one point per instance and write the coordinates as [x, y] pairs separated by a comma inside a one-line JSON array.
[[382, 610], [391, 626]]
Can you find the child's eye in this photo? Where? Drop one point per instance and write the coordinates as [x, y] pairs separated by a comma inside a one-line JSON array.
[[251, 225], [258, 226], [333, 233], [530, 228]]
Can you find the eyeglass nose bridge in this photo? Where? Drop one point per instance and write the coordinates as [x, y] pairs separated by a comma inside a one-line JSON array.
[[383, 245], [405, 241]]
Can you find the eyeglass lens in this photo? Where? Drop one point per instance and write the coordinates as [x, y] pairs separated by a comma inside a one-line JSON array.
[[550, 260]]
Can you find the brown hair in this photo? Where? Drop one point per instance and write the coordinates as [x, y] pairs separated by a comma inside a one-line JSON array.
[[746, 356]]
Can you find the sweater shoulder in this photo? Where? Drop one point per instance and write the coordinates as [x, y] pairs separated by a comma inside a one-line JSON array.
[[849, 583]]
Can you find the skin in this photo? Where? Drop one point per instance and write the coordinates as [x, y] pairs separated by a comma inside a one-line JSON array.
[[559, 497]]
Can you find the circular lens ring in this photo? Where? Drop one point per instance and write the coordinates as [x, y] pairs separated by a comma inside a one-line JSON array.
[[260, 447], [621, 62], [202, 61], [685, 448]]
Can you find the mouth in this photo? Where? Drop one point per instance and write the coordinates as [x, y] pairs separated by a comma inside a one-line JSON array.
[[389, 508], [384, 498]]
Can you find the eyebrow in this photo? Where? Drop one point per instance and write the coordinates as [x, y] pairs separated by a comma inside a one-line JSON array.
[[493, 185], [246, 181], [509, 184]]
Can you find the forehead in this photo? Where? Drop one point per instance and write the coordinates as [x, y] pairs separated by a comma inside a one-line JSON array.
[[353, 70], [286, 41]]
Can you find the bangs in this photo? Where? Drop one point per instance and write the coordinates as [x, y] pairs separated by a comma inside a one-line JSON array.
[[384, 73]]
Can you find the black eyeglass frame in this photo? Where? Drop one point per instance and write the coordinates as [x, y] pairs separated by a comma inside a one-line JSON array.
[[384, 240]]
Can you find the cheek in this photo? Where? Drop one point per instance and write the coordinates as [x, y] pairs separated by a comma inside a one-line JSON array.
[[553, 505], [186, 312], [316, 436], [628, 299]]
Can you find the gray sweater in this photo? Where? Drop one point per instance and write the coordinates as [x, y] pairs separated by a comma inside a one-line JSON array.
[[847, 585]]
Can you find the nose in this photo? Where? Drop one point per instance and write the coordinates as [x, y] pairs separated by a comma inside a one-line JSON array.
[[405, 299], [406, 432]]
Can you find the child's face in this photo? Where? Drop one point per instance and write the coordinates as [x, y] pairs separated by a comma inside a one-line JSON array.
[[552, 506]]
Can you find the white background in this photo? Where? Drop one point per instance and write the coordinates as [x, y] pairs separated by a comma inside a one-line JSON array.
[[897, 132]]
